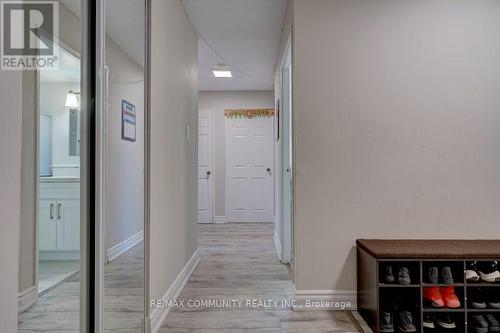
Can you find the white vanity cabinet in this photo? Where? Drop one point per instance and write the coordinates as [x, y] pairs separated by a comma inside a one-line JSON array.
[[59, 218]]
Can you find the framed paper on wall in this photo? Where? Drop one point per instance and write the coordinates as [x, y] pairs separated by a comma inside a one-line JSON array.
[[128, 121]]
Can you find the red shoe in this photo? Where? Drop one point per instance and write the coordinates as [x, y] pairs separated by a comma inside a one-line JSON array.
[[450, 298], [433, 296]]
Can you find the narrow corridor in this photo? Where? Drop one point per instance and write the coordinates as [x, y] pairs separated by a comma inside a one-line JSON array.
[[239, 262]]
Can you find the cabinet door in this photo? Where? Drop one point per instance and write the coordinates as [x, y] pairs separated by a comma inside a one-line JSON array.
[[68, 225], [47, 226]]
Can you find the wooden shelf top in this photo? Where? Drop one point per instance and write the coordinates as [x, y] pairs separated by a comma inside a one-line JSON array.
[[431, 249]]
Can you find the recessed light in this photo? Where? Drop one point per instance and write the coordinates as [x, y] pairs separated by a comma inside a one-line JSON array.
[[222, 71]]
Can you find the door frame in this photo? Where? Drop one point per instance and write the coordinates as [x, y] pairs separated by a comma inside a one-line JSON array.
[[212, 167], [227, 172], [287, 226]]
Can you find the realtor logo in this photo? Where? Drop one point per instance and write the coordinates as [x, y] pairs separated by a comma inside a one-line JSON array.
[[29, 30]]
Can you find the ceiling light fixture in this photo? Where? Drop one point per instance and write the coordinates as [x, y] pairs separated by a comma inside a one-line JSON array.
[[222, 71]]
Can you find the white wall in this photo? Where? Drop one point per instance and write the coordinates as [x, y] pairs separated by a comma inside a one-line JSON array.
[[173, 193], [397, 127], [29, 178], [125, 159], [218, 101], [10, 194]]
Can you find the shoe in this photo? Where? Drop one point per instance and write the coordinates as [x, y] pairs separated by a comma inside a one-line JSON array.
[[493, 301], [471, 272], [404, 276], [450, 298], [447, 275], [386, 322], [488, 271], [433, 296], [477, 299], [446, 322], [429, 322], [406, 322], [480, 324], [389, 277], [433, 275], [493, 324]]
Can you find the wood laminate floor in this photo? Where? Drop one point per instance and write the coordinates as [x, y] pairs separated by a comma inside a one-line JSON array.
[[57, 311], [239, 262]]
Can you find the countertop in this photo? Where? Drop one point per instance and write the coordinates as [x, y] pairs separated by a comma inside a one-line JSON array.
[[60, 179]]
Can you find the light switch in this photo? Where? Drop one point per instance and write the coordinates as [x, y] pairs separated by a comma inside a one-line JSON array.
[[188, 133]]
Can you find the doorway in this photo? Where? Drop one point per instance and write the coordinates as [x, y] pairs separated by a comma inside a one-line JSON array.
[[288, 157], [205, 166], [59, 187], [249, 167]]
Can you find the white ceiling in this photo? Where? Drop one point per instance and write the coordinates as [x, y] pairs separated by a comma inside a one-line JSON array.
[[246, 33], [125, 21], [69, 69]]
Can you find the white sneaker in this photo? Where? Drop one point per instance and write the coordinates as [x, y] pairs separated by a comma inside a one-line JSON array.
[[471, 275], [490, 277]]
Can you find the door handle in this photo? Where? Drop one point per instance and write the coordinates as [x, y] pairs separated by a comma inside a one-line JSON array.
[[268, 170], [58, 211], [208, 173], [51, 211]]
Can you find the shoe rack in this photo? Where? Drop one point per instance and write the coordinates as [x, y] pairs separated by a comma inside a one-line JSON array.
[[375, 294]]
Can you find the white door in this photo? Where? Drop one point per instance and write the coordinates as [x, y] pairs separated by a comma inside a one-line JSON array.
[[249, 167], [205, 166]]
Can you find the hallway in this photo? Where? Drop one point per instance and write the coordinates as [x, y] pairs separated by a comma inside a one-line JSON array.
[[239, 262]]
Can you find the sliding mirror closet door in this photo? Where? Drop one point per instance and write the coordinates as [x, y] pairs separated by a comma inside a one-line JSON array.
[[123, 164], [53, 263]]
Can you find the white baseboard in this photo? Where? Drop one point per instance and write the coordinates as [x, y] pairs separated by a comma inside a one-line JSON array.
[[277, 243], [58, 255], [26, 299], [158, 314], [124, 246], [220, 219], [339, 300]]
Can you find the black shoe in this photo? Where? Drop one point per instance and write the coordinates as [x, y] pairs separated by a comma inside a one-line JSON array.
[[404, 276], [429, 322], [488, 271], [477, 300], [406, 322], [389, 276], [433, 275], [471, 272], [447, 275], [386, 322], [479, 324], [493, 300], [446, 322], [493, 324]]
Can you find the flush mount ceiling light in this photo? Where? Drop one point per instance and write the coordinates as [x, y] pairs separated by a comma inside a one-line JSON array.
[[222, 71], [72, 100]]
